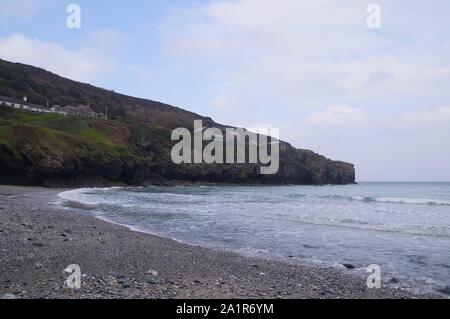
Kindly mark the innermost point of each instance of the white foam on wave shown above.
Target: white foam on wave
(402, 200)
(85, 196)
(95, 197)
(420, 201)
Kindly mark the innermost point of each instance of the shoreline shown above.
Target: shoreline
(100, 183)
(38, 241)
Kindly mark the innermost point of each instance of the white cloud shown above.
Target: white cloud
(83, 65)
(440, 115)
(237, 27)
(313, 53)
(337, 115)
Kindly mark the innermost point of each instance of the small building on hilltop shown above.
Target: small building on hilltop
(21, 104)
(80, 110)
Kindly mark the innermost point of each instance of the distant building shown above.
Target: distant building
(23, 104)
(80, 110)
(19, 103)
(83, 111)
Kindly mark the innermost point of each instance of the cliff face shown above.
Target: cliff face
(133, 147)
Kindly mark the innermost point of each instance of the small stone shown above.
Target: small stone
(327, 291)
(152, 272)
(220, 281)
(445, 290)
(348, 266)
(394, 281)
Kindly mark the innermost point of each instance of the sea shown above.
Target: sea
(402, 227)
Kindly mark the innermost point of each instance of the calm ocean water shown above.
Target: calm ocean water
(403, 227)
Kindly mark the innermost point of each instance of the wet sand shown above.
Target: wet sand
(39, 240)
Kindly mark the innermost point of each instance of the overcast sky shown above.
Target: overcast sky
(379, 98)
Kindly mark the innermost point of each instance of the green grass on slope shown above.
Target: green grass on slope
(56, 134)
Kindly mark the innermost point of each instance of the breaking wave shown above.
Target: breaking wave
(391, 200)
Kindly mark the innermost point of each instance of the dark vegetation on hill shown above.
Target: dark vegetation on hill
(132, 147)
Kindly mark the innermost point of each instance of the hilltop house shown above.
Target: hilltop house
(81, 110)
(26, 106)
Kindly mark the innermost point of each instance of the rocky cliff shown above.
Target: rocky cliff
(132, 147)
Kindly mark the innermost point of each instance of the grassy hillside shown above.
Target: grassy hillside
(48, 142)
(61, 134)
(132, 147)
